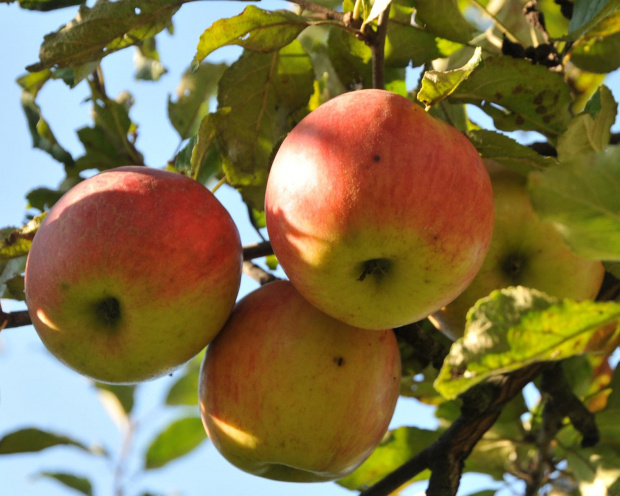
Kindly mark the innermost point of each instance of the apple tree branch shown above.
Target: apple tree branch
(445, 458)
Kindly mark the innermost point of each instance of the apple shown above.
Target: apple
(288, 393)
(378, 213)
(524, 251)
(132, 273)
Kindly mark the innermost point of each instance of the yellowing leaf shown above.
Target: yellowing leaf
(255, 29)
(514, 327)
(437, 85)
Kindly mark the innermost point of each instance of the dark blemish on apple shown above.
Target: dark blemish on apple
(339, 361)
(377, 158)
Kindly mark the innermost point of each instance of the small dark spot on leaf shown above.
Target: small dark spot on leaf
(517, 89)
(498, 95)
(538, 99)
(547, 118)
(541, 109)
(519, 120)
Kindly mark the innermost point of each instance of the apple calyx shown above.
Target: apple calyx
(512, 266)
(375, 267)
(108, 312)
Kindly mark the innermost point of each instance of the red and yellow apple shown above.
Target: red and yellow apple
(132, 273)
(524, 251)
(378, 213)
(289, 393)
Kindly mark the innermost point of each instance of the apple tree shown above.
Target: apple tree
(523, 82)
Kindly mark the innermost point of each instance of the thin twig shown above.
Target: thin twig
(14, 319)
(257, 250)
(257, 273)
(378, 49)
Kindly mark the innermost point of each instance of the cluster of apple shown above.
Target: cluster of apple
(379, 214)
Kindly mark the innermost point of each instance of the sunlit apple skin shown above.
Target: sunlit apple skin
(132, 273)
(524, 251)
(289, 393)
(378, 213)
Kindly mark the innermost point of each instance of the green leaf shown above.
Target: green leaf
(42, 136)
(184, 390)
(492, 457)
(110, 142)
(147, 63)
(266, 94)
(11, 279)
(589, 131)
(350, 59)
(254, 29)
(80, 484)
(613, 401)
(518, 95)
(15, 242)
(206, 159)
(31, 439)
(582, 199)
(378, 7)
(596, 469)
(437, 85)
(205, 163)
(405, 43)
(122, 395)
(91, 35)
(508, 152)
(179, 438)
(397, 447)
(193, 94)
(587, 14)
(595, 31)
(32, 82)
(47, 5)
(272, 262)
(444, 19)
(514, 327)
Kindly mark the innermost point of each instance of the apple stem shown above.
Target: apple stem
(219, 183)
